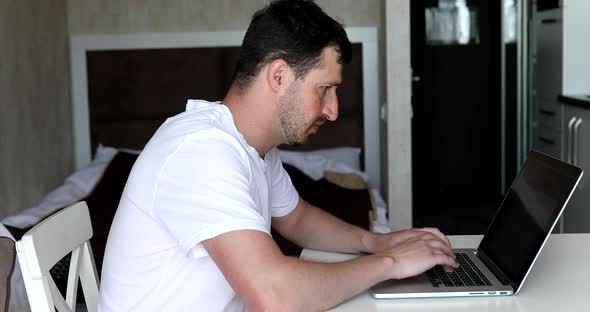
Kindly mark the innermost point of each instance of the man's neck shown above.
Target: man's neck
(254, 117)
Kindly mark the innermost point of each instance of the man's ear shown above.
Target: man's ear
(279, 75)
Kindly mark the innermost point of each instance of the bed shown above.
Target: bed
(125, 86)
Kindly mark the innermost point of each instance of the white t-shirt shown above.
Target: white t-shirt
(195, 179)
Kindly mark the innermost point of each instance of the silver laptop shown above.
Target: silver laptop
(512, 243)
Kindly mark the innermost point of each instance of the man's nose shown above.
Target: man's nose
(330, 110)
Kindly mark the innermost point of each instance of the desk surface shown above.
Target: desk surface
(559, 281)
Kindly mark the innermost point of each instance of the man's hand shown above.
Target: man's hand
(418, 254)
(423, 247)
(380, 242)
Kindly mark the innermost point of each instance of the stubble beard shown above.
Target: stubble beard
(292, 116)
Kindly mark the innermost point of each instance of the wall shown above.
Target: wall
(114, 16)
(35, 115)
(576, 47)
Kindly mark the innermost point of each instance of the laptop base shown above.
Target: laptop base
(421, 287)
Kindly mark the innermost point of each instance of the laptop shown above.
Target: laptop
(514, 239)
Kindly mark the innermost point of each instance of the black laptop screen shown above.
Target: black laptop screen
(528, 213)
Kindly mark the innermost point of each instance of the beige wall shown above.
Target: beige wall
(35, 118)
(115, 16)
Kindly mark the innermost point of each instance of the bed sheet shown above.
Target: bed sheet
(81, 183)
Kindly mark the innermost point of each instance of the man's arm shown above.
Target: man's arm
(312, 227)
(266, 280)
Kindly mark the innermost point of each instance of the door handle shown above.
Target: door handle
(575, 149)
(568, 146)
(571, 131)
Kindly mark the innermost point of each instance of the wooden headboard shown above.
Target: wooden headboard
(134, 91)
(125, 86)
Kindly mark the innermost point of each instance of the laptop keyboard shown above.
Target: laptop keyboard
(467, 274)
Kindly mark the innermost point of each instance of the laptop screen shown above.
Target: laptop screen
(528, 213)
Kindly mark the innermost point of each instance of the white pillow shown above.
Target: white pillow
(350, 156)
(315, 163)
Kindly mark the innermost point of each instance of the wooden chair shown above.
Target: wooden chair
(68, 230)
(7, 259)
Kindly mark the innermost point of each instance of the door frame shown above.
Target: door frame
(399, 113)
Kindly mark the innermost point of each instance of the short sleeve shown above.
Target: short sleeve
(203, 189)
(284, 196)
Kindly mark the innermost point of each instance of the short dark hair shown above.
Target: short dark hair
(296, 31)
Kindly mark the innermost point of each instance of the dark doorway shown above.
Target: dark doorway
(456, 125)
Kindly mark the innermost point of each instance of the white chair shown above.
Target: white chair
(68, 230)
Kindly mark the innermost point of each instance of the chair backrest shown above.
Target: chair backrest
(7, 259)
(68, 230)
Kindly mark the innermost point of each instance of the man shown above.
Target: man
(192, 228)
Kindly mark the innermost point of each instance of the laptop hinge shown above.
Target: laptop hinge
(495, 269)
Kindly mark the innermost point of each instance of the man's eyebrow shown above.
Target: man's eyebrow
(335, 83)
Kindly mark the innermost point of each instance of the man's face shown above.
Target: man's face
(311, 100)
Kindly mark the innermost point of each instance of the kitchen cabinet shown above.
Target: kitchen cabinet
(576, 150)
(547, 68)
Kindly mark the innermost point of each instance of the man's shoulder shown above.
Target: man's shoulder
(199, 116)
(204, 141)
(208, 124)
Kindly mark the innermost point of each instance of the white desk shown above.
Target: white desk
(559, 281)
